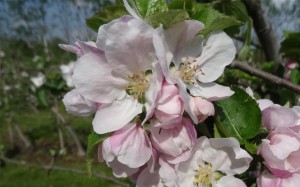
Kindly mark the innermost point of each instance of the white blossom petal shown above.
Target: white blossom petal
(218, 52)
(113, 116)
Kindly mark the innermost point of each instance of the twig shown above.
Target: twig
(64, 169)
(263, 30)
(266, 76)
(22, 136)
(63, 122)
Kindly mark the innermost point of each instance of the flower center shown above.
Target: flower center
(189, 70)
(137, 86)
(204, 176)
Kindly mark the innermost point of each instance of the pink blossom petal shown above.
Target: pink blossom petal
(153, 91)
(183, 41)
(226, 155)
(113, 116)
(218, 52)
(95, 80)
(268, 180)
(175, 142)
(130, 145)
(78, 105)
(148, 179)
(264, 103)
(102, 32)
(121, 170)
(163, 53)
(129, 48)
(276, 116)
(210, 91)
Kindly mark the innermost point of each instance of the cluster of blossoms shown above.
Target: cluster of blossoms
(281, 149)
(148, 88)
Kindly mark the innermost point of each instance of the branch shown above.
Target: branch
(64, 169)
(243, 66)
(263, 30)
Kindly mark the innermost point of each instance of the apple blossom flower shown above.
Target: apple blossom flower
(214, 162)
(201, 108)
(281, 152)
(77, 105)
(191, 63)
(67, 72)
(39, 80)
(266, 179)
(129, 146)
(169, 107)
(125, 80)
(174, 143)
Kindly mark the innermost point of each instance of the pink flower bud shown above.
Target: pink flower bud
(202, 108)
(169, 108)
(281, 152)
(129, 145)
(175, 143)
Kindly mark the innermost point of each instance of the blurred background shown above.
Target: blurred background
(44, 145)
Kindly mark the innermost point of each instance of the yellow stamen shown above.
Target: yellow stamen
(204, 176)
(137, 85)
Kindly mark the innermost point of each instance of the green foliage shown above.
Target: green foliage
(167, 18)
(295, 76)
(182, 4)
(290, 47)
(42, 97)
(238, 10)
(146, 8)
(108, 14)
(93, 140)
(22, 176)
(238, 116)
(213, 19)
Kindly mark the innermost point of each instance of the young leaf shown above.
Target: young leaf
(295, 76)
(238, 116)
(214, 20)
(238, 10)
(167, 18)
(146, 8)
(93, 140)
(110, 13)
(186, 5)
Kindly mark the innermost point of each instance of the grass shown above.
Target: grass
(42, 130)
(22, 176)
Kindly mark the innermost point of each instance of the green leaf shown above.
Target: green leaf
(214, 20)
(42, 97)
(93, 140)
(182, 4)
(167, 18)
(290, 47)
(146, 8)
(238, 116)
(295, 76)
(238, 10)
(251, 147)
(110, 13)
